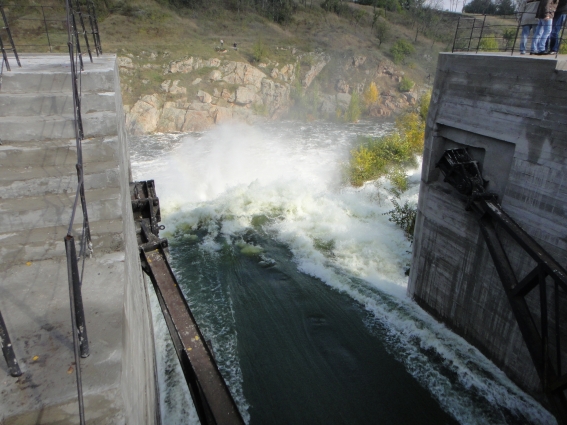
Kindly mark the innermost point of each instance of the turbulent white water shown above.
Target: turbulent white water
(291, 173)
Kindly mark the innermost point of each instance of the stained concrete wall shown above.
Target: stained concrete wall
(511, 112)
(139, 375)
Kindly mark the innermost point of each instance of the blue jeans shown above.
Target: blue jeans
(541, 35)
(555, 37)
(524, 38)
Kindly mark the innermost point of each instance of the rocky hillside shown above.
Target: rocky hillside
(196, 93)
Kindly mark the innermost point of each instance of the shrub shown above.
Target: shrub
(424, 105)
(382, 32)
(259, 50)
(400, 50)
(352, 114)
(390, 155)
(406, 84)
(404, 216)
(488, 44)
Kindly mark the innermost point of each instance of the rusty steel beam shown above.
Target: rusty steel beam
(211, 396)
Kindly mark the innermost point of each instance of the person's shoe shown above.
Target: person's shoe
(522, 53)
(533, 53)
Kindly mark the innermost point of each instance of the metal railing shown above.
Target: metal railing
(75, 279)
(489, 33)
(44, 28)
(51, 26)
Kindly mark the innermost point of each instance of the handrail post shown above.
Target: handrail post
(480, 36)
(73, 279)
(46, 29)
(10, 39)
(4, 55)
(8, 350)
(80, 13)
(456, 32)
(94, 26)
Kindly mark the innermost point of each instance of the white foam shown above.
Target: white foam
(224, 178)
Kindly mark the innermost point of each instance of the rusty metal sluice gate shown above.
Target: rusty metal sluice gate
(463, 173)
(211, 396)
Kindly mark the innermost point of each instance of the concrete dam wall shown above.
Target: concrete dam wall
(511, 115)
(38, 180)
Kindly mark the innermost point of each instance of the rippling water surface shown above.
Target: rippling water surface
(300, 284)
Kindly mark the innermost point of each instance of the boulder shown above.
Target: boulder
(183, 67)
(342, 86)
(204, 96)
(213, 63)
(171, 119)
(411, 98)
(175, 89)
(125, 62)
(196, 81)
(197, 121)
(358, 60)
(225, 94)
(215, 75)
(165, 85)
(242, 74)
(343, 100)
(328, 104)
(144, 115)
(245, 95)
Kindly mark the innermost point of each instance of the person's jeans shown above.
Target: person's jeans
(555, 37)
(541, 35)
(525, 34)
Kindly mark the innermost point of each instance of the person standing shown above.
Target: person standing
(544, 13)
(528, 22)
(558, 22)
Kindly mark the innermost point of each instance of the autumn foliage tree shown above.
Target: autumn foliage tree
(371, 99)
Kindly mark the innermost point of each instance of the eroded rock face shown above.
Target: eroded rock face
(245, 95)
(316, 68)
(242, 74)
(275, 96)
(197, 121)
(144, 115)
(171, 119)
(204, 96)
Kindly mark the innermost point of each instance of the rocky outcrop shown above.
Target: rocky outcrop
(319, 63)
(229, 90)
(242, 74)
(144, 115)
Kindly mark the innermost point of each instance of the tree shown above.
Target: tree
(382, 32)
(370, 95)
(485, 7)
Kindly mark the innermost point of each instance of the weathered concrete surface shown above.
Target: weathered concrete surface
(37, 188)
(512, 115)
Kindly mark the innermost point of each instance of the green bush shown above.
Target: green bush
(401, 50)
(404, 216)
(406, 84)
(352, 114)
(259, 50)
(488, 44)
